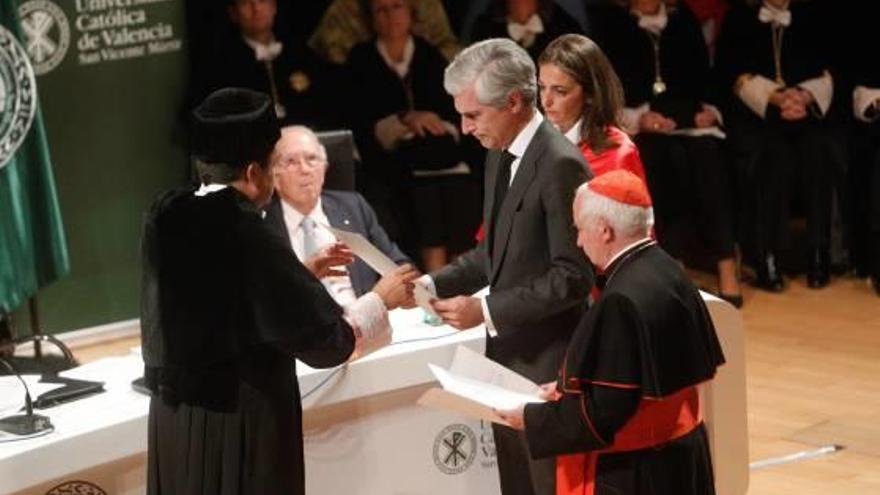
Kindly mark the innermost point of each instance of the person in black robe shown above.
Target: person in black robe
(661, 57)
(773, 63)
(225, 308)
(414, 157)
(533, 24)
(862, 93)
(251, 54)
(623, 417)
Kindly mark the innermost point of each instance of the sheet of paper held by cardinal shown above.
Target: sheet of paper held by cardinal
(476, 386)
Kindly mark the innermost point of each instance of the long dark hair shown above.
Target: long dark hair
(584, 61)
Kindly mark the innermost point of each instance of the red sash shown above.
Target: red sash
(656, 422)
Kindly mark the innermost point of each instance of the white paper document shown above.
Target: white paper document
(476, 386)
(377, 260)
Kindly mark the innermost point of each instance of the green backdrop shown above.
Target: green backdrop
(112, 110)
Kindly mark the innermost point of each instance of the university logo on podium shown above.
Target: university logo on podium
(18, 95)
(78, 487)
(46, 32)
(455, 449)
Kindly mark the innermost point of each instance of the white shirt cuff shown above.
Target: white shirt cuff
(428, 283)
(487, 318)
(369, 314)
(755, 93)
(631, 116)
(864, 97)
(822, 89)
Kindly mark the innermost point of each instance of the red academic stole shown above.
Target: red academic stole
(656, 422)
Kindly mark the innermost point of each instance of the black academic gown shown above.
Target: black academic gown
(777, 160)
(225, 308)
(493, 24)
(649, 337)
(304, 84)
(687, 175)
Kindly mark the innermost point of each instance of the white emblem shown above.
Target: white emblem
(18, 95)
(47, 33)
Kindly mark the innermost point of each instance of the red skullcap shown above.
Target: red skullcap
(622, 186)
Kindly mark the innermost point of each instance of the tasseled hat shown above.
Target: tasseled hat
(234, 126)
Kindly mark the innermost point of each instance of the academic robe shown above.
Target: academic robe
(556, 21)
(304, 84)
(623, 155)
(777, 159)
(225, 309)
(687, 175)
(628, 419)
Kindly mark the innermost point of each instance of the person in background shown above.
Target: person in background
(414, 159)
(774, 65)
(532, 24)
(226, 308)
(663, 63)
(538, 279)
(624, 416)
(300, 213)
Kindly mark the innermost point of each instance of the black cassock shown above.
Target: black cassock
(645, 344)
(686, 175)
(777, 159)
(225, 308)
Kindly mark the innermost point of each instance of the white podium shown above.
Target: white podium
(364, 432)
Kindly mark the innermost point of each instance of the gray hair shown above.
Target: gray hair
(628, 221)
(322, 151)
(496, 67)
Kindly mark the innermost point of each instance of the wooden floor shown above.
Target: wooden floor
(813, 366)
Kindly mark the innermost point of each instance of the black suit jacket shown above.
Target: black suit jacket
(539, 278)
(347, 211)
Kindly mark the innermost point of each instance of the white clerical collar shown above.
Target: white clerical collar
(778, 16)
(206, 189)
(653, 23)
(294, 217)
(574, 134)
(264, 52)
(525, 33)
(402, 67)
(522, 140)
(625, 250)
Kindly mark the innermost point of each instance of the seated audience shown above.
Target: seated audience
(345, 25)
(404, 124)
(531, 23)
(663, 63)
(252, 56)
(774, 62)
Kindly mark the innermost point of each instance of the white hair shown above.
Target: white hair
(301, 129)
(629, 221)
(496, 67)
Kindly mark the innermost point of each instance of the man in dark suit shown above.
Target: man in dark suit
(538, 278)
(300, 194)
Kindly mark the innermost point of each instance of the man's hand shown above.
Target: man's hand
(328, 259)
(424, 123)
(705, 117)
(656, 122)
(396, 288)
(461, 312)
(549, 392)
(514, 417)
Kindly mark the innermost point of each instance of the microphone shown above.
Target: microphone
(27, 424)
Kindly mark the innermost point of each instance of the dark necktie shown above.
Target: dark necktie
(502, 184)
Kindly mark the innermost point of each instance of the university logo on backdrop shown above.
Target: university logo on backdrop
(46, 32)
(18, 95)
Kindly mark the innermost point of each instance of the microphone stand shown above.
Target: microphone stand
(28, 424)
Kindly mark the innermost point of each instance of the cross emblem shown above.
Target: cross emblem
(36, 29)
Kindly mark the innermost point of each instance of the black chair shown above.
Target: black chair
(341, 157)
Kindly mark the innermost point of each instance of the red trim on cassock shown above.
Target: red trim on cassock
(654, 423)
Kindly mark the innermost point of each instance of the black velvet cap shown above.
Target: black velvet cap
(234, 126)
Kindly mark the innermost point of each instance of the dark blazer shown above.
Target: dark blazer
(347, 211)
(539, 278)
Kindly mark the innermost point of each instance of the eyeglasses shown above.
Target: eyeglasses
(309, 160)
